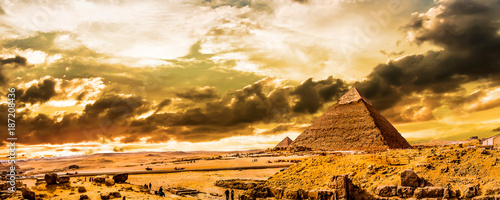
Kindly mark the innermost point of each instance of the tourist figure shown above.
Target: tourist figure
(232, 194)
(145, 186)
(227, 194)
(150, 186)
(160, 191)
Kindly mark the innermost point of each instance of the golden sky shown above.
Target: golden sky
(124, 76)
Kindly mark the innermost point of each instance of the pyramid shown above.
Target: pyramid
(351, 124)
(284, 143)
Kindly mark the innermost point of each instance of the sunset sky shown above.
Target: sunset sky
(154, 75)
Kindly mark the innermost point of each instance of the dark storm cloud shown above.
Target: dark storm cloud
(39, 93)
(210, 119)
(44, 129)
(114, 108)
(312, 95)
(246, 105)
(232, 114)
(467, 32)
(102, 119)
(236, 112)
(199, 94)
(5, 63)
(163, 104)
(17, 60)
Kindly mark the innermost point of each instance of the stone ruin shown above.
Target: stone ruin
(341, 187)
(351, 124)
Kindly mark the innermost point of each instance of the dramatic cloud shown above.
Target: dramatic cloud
(39, 93)
(312, 95)
(467, 31)
(101, 119)
(208, 70)
(113, 108)
(14, 62)
(199, 94)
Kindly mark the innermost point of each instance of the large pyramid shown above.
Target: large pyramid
(284, 143)
(351, 124)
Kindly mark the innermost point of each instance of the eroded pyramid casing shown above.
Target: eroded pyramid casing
(351, 124)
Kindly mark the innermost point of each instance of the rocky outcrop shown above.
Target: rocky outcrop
(51, 178)
(344, 189)
(115, 194)
(405, 191)
(240, 184)
(321, 194)
(411, 186)
(63, 179)
(471, 191)
(82, 189)
(74, 167)
(28, 194)
(409, 178)
(120, 178)
(386, 191)
(111, 195)
(429, 192)
(109, 182)
(100, 179)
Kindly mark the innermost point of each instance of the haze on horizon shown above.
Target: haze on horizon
(127, 76)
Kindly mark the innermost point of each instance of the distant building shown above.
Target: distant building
(492, 141)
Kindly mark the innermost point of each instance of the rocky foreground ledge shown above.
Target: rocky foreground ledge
(451, 172)
(53, 186)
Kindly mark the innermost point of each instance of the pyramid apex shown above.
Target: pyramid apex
(285, 142)
(352, 95)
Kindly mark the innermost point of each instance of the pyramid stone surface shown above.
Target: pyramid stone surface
(284, 143)
(351, 124)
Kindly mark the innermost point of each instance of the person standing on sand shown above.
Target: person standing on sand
(150, 186)
(232, 194)
(227, 194)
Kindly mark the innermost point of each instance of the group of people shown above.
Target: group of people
(229, 193)
(160, 192)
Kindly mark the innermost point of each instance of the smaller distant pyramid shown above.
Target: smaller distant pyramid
(284, 143)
